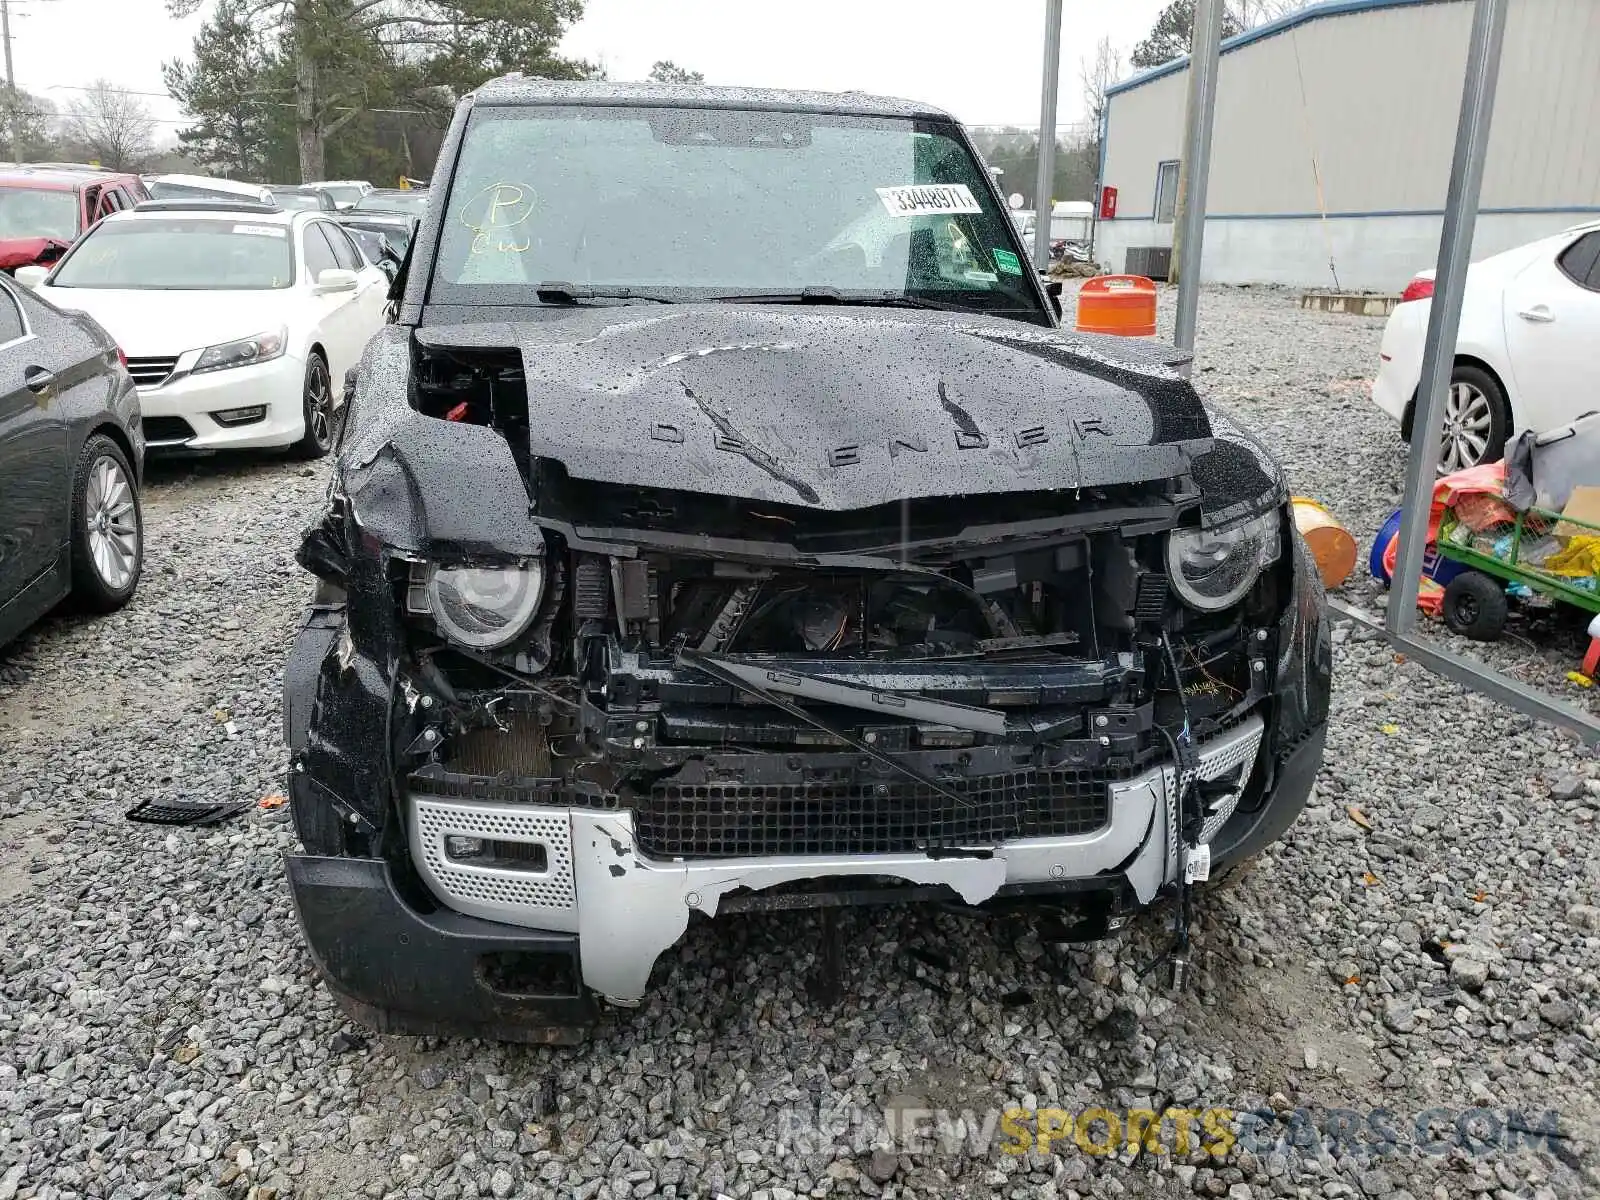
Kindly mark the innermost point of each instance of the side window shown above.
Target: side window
(1580, 262)
(91, 206)
(110, 202)
(11, 327)
(349, 257)
(319, 254)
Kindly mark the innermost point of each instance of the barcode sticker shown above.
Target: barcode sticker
(929, 199)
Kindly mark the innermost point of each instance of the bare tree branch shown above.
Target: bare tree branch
(114, 127)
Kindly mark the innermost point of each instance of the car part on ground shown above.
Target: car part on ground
(673, 647)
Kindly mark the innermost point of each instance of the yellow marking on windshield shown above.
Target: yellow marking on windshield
(493, 212)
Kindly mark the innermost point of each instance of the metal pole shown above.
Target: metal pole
(1046, 182)
(1204, 52)
(11, 83)
(1444, 318)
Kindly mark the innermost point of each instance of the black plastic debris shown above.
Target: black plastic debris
(183, 812)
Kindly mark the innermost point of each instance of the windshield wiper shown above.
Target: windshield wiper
(554, 291)
(833, 295)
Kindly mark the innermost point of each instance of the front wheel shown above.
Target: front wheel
(318, 403)
(107, 528)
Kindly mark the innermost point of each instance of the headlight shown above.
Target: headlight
(1213, 568)
(485, 607)
(242, 353)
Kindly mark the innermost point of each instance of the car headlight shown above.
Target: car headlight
(260, 348)
(1213, 568)
(485, 608)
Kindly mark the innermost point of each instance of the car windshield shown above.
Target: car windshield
(694, 203)
(297, 201)
(167, 190)
(181, 254)
(370, 237)
(412, 204)
(37, 213)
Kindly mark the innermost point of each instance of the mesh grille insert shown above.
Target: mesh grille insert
(883, 817)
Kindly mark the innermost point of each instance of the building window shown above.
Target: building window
(1166, 192)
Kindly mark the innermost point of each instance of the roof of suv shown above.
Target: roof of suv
(515, 89)
(55, 178)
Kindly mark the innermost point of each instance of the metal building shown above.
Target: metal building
(1333, 136)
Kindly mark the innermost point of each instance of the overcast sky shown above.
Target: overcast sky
(978, 58)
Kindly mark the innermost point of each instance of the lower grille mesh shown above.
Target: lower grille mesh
(888, 817)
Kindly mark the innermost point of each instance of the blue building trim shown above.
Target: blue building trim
(1578, 209)
(1334, 8)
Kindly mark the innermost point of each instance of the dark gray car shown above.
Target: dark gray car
(71, 458)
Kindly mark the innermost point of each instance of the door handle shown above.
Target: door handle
(1539, 314)
(38, 380)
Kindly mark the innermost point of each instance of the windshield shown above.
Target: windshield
(167, 190)
(297, 201)
(181, 254)
(370, 237)
(413, 203)
(37, 213)
(703, 202)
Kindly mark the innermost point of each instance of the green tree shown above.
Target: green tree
(667, 71)
(345, 59)
(226, 87)
(27, 122)
(1173, 34)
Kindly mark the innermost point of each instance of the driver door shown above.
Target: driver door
(35, 482)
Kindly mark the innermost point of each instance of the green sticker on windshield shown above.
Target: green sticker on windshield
(1008, 262)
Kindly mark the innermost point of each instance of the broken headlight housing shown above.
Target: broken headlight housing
(1211, 569)
(485, 608)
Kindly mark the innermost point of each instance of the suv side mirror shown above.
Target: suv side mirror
(1052, 289)
(31, 276)
(335, 279)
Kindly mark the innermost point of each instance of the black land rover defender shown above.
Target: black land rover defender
(725, 522)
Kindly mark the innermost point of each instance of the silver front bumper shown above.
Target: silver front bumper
(626, 908)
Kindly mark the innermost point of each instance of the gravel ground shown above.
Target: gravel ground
(161, 1032)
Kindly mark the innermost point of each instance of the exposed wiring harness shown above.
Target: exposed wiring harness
(1191, 820)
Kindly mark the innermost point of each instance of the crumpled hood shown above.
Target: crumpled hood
(23, 252)
(841, 407)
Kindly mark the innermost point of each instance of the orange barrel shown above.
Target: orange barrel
(1124, 304)
(1330, 543)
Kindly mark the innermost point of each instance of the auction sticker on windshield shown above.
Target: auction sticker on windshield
(262, 230)
(928, 199)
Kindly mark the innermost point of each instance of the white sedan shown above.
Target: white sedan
(235, 319)
(1526, 355)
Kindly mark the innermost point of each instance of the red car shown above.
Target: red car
(45, 208)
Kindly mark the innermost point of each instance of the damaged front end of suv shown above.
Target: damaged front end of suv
(630, 614)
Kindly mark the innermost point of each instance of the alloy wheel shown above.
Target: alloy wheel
(319, 404)
(1468, 423)
(113, 523)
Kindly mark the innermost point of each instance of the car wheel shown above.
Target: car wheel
(107, 528)
(1476, 420)
(318, 402)
(1475, 606)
